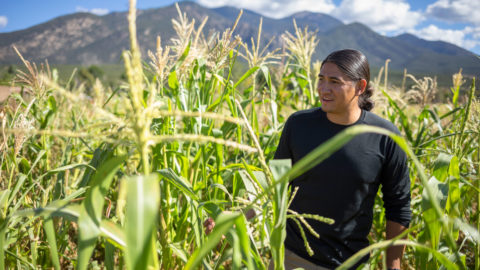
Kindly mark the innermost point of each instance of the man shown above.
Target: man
(343, 187)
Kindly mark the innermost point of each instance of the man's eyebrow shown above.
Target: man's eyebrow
(331, 78)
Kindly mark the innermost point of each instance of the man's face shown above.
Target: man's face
(337, 92)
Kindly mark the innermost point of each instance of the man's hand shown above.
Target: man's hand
(250, 214)
(394, 253)
(209, 224)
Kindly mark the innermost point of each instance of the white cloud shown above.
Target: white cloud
(458, 37)
(388, 17)
(96, 11)
(381, 15)
(474, 31)
(455, 11)
(3, 21)
(99, 11)
(276, 8)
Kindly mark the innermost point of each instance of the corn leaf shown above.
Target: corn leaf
(91, 210)
(223, 224)
(143, 200)
(52, 242)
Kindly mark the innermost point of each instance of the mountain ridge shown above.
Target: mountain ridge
(85, 39)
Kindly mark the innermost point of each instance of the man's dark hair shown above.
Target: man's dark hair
(355, 66)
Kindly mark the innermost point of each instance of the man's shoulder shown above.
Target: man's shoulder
(306, 114)
(375, 120)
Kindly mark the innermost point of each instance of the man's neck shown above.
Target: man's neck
(346, 118)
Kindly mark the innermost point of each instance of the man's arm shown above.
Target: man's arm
(396, 198)
(394, 253)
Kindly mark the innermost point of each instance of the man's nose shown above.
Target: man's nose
(324, 87)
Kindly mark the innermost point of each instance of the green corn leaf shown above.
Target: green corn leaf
(3, 230)
(237, 252)
(222, 188)
(456, 92)
(450, 113)
(65, 168)
(19, 183)
(71, 212)
(75, 194)
(454, 195)
(454, 168)
(56, 209)
(39, 156)
(440, 168)
(405, 124)
(172, 80)
(24, 165)
(178, 250)
(440, 192)
(100, 155)
(180, 183)
(468, 229)
(182, 58)
(52, 242)
(244, 240)
(431, 217)
(113, 232)
(279, 168)
(52, 103)
(453, 202)
(143, 200)
(436, 119)
(466, 115)
(274, 113)
(245, 76)
(109, 256)
(261, 179)
(266, 73)
(4, 194)
(91, 210)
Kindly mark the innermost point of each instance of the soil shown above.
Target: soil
(5, 91)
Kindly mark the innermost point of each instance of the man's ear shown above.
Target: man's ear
(361, 86)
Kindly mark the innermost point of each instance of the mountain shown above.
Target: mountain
(376, 47)
(437, 46)
(317, 21)
(404, 51)
(86, 39)
(444, 56)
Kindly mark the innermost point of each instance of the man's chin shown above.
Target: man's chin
(325, 109)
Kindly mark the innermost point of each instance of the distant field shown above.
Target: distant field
(112, 73)
(115, 71)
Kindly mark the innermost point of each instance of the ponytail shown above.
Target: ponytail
(364, 100)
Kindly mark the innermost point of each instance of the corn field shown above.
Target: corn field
(134, 177)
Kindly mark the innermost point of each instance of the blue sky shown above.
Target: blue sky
(454, 21)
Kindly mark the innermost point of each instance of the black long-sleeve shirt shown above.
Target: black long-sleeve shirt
(343, 187)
